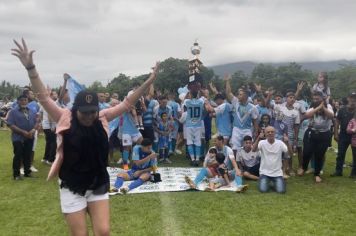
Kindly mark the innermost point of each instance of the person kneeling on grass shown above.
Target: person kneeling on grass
(248, 161)
(210, 171)
(144, 160)
(271, 151)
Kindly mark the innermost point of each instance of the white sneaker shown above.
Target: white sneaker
(179, 152)
(119, 161)
(33, 169)
(22, 172)
(168, 161)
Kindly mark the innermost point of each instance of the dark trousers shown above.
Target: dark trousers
(343, 144)
(51, 145)
(315, 144)
(22, 152)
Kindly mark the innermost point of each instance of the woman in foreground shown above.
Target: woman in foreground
(82, 149)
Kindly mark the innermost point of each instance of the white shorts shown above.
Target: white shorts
(71, 202)
(193, 135)
(129, 139)
(237, 137)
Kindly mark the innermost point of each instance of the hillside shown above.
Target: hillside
(248, 66)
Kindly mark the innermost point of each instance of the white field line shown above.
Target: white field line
(168, 217)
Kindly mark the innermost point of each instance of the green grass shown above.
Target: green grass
(31, 207)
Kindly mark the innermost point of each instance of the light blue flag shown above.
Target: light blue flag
(73, 88)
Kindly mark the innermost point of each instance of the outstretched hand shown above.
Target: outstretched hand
(227, 77)
(155, 70)
(23, 53)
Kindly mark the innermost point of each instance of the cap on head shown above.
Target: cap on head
(86, 101)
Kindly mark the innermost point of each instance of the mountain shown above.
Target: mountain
(248, 66)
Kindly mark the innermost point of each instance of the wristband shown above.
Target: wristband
(30, 67)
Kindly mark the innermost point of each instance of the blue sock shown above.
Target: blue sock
(238, 180)
(173, 145)
(170, 146)
(202, 149)
(197, 151)
(191, 151)
(138, 182)
(119, 182)
(201, 175)
(125, 156)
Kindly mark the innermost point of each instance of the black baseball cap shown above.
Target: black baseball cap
(86, 101)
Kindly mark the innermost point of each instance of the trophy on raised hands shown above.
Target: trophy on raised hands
(195, 78)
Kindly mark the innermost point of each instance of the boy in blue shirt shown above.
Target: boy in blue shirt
(144, 160)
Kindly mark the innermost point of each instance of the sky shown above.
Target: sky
(97, 40)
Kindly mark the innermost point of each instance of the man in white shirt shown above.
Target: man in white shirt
(271, 151)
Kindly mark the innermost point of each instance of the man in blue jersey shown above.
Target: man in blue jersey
(195, 107)
(222, 115)
(129, 134)
(245, 116)
(176, 113)
(147, 115)
(144, 161)
(157, 112)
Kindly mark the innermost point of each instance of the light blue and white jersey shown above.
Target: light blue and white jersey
(243, 114)
(128, 124)
(147, 116)
(223, 120)
(195, 109)
(157, 112)
(175, 108)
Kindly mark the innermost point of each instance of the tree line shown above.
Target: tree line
(173, 74)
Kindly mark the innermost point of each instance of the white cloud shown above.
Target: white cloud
(96, 40)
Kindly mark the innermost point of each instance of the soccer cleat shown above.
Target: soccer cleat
(33, 169)
(241, 188)
(124, 190)
(113, 191)
(168, 161)
(179, 152)
(190, 182)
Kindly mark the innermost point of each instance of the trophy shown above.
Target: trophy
(195, 78)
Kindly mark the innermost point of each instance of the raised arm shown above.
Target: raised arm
(130, 100)
(26, 58)
(213, 88)
(300, 86)
(229, 94)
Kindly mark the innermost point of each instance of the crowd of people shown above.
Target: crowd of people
(258, 134)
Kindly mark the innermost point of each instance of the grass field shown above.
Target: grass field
(31, 207)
